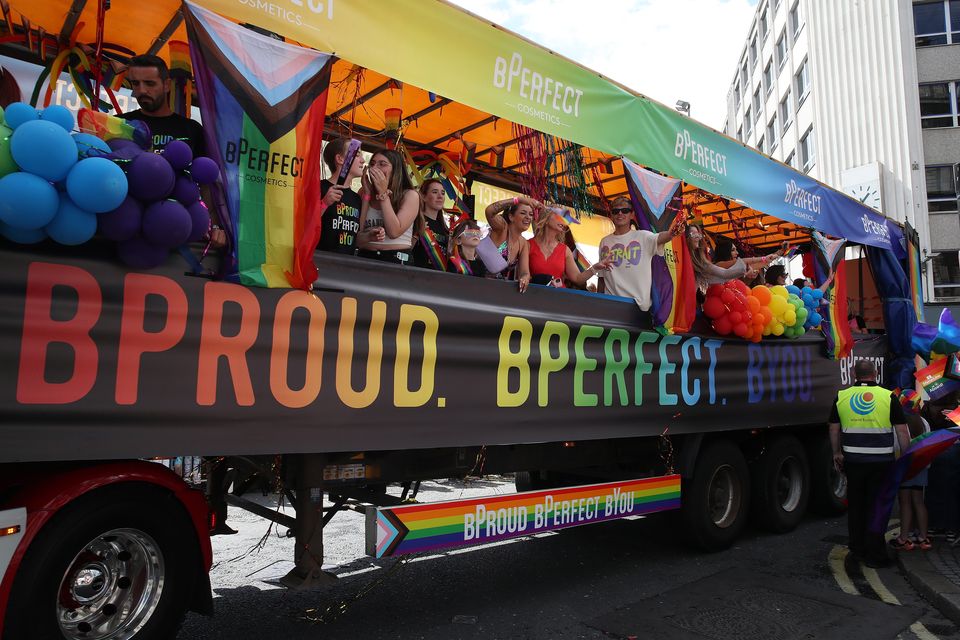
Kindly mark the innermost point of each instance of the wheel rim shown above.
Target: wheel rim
(112, 587)
(724, 496)
(789, 484)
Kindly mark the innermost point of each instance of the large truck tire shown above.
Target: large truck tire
(116, 563)
(781, 485)
(716, 500)
(828, 487)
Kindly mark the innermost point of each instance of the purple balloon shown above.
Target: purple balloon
(166, 224)
(201, 221)
(124, 149)
(179, 154)
(150, 177)
(123, 222)
(185, 191)
(140, 254)
(204, 170)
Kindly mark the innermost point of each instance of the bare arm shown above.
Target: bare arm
(903, 434)
(580, 278)
(396, 223)
(676, 228)
(835, 445)
(523, 267)
(494, 209)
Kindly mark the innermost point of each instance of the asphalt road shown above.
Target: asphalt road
(619, 579)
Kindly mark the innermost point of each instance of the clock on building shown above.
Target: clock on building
(863, 184)
(867, 193)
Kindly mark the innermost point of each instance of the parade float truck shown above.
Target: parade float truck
(387, 375)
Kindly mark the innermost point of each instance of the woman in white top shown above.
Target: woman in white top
(390, 209)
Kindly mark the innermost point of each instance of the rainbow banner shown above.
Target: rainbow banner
(674, 287)
(416, 528)
(914, 269)
(825, 258)
(263, 103)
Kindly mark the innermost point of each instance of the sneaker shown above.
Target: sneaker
(901, 545)
(925, 544)
(951, 537)
(935, 532)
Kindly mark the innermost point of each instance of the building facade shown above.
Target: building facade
(863, 95)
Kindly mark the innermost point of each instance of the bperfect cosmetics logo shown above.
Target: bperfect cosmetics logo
(537, 89)
(291, 10)
(875, 228)
(687, 148)
(802, 199)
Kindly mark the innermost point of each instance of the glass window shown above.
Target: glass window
(763, 26)
(786, 112)
(753, 50)
(747, 122)
(941, 188)
(760, 145)
(768, 76)
(781, 50)
(954, 8)
(803, 82)
(772, 132)
(938, 105)
(946, 275)
(736, 95)
(930, 23)
(744, 74)
(790, 159)
(740, 133)
(757, 102)
(795, 22)
(808, 154)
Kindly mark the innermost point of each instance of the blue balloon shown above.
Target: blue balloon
(815, 319)
(44, 149)
(72, 225)
(807, 299)
(817, 294)
(97, 184)
(27, 201)
(792, 289)
(19, 112)
(59, 115)
(22, 236)
(89, 145)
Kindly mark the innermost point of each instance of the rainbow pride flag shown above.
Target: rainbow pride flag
(263, 104)
(914, 266)
(674, 287)
(444, 525)
(827, 256)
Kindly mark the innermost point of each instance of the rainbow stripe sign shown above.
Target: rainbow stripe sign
(416, 528)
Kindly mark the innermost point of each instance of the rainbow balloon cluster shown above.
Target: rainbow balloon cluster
(813, 302)
(752, 314)
(48, 186)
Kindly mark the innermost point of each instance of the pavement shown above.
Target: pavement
(936, 575)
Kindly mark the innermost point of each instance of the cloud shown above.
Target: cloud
(668, 50)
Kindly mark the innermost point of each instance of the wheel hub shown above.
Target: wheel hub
(112, 587)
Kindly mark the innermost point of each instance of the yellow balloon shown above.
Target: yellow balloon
(780, 291)
(778, 305)
(777, 329)
(767, 331)
(790, 318)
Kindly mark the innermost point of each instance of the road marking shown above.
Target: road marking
(837, 557)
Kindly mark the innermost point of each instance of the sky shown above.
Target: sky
(668, 50)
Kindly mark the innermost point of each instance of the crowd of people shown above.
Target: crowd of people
(392, 221)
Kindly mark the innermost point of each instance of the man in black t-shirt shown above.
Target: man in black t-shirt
(149, 79)
(341, 217)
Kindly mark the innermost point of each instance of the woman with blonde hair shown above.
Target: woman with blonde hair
(548, 259)
(508, 219)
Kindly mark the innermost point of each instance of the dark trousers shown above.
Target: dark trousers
(943, 503)
(863, 483)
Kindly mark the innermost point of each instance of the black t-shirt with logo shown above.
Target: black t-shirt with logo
(420, 256)
(163, 129)
(341, 221)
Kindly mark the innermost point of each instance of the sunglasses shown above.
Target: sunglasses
(621, 210)
(471, 234)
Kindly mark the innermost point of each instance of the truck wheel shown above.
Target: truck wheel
(716, 500)
(828, 491)
(115, 564)
(781, 485)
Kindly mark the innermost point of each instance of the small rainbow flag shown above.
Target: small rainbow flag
(582, 263)
(457, 523)
(264, 117)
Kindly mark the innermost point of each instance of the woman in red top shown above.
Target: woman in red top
(548, 259)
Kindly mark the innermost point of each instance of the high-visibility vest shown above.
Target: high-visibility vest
(866, 432)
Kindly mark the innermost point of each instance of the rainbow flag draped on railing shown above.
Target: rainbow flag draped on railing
(827, 257)
(914, 266)
(674, 288)
(263, 104)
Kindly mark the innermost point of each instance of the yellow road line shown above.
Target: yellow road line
(873, 579)
(837, 556)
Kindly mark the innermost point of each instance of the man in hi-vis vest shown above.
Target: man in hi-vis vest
(864, 421)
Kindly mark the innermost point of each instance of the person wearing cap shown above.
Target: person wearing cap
(864, 422)
(548, 259)
(630, 252)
